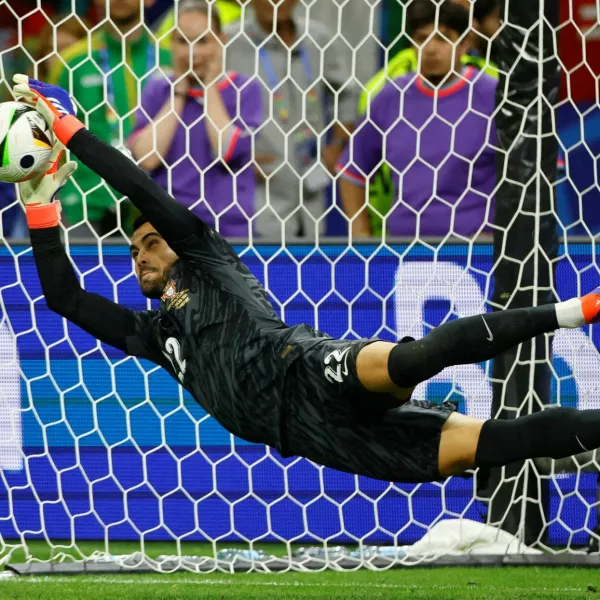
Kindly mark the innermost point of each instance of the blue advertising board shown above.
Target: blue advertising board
(96, 444)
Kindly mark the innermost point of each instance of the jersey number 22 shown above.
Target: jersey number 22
(173, 353)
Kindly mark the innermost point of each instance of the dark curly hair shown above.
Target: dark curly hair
(139, 221)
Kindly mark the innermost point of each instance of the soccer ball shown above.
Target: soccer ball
(25, 143)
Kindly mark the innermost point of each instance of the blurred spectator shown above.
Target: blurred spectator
(438, 136)
(54, 39)
(485, 24)
(301, 82)
(20, 23)
(193, 132)
(229, 11)
(153, 14)
(87, 69)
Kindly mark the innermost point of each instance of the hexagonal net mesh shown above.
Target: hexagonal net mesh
(98, 449)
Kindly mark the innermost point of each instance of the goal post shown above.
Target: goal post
(107, 465)
(527, 98)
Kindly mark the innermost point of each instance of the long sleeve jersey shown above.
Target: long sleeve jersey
(215, 331)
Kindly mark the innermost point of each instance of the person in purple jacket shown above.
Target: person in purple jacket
(436, 132)
(194, 131)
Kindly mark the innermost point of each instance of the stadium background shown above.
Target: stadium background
(77, 489)
(576, 194)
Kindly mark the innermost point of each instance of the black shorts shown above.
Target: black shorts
(328, 420)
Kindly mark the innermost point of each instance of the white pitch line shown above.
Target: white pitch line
(166, 581)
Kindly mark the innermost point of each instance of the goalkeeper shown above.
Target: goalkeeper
(344, 404)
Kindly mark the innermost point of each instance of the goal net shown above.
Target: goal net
(105, 460)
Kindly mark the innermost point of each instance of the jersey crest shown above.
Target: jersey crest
(172, 298)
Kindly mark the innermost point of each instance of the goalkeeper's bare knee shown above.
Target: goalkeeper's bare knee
(373, 373)
(556, 432)
(458, 444)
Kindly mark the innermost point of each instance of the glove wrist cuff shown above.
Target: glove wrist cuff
(41, 216)
(66, 128)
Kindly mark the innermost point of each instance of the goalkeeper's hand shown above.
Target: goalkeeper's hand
(53, 103)
(37, 194)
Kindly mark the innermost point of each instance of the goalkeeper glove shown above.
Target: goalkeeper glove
(55, 106)
(53, 103)
(37, 194)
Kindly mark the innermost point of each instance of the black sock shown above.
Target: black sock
(469, 340)
(553, 433)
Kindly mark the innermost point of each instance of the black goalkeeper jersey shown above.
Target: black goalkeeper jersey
(218, 335)
(215, 331)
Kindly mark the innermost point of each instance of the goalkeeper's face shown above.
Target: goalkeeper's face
(153, 260)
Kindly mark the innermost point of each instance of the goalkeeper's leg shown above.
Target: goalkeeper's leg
(555, 433)
(397, 368)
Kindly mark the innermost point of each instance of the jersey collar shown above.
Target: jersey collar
(453, 87)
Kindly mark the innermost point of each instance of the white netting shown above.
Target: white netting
(96, 448)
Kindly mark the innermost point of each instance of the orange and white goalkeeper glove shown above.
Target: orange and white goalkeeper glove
(37, 194)
(53, 103)
(56, 107)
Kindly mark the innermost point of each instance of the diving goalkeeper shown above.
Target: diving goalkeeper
(344, 404)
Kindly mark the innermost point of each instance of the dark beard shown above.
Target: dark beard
(155, 291)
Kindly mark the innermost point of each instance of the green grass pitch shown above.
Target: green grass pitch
(417, 584)
(505, 583)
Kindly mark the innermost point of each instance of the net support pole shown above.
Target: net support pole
(525, 241)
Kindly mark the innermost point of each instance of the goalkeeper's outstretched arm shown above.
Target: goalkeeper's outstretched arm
(175, 223)
(129, 331)
(181, 229)
(105, 320)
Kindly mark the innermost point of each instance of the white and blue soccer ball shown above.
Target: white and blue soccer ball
(25, 143)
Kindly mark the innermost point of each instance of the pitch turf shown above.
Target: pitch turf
(446, 584)
(416, 584)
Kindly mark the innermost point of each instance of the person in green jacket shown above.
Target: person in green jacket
(486, 22)
(106, 74)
